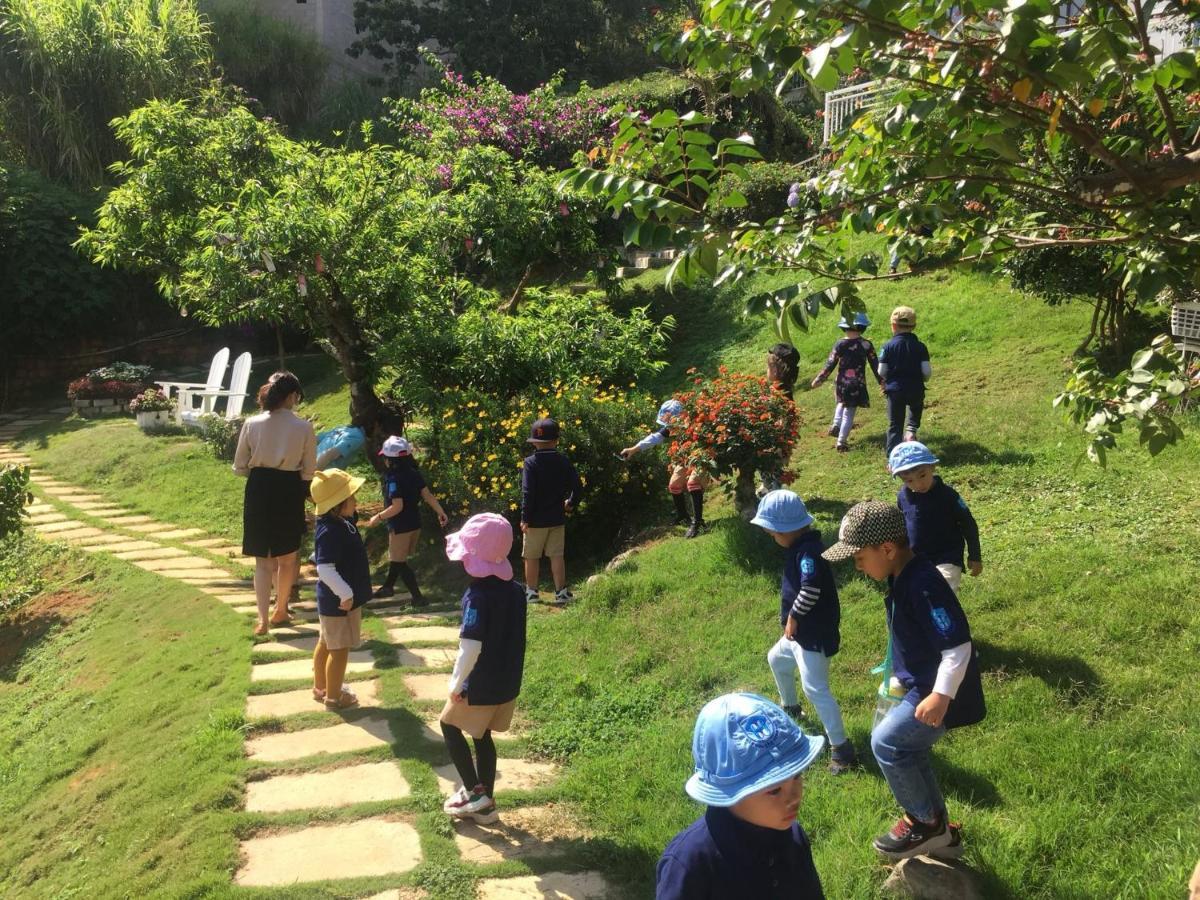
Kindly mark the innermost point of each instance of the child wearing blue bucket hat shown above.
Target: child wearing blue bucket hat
(851, 355)
(750, 758)
(682, 477)
(939, 521)
(810, 614)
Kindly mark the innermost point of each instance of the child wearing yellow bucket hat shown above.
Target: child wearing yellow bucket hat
(344, 584)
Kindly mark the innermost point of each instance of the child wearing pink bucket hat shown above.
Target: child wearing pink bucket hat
(491, 659)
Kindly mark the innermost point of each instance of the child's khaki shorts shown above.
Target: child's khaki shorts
(478, 720)
(541, 542)
(342, 632)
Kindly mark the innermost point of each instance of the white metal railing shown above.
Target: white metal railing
(843, 104)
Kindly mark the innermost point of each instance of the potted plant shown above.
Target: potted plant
(107, 390)
(152, 409)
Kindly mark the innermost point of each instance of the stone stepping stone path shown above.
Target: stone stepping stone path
(377, 846)
(290, 670)
(292, 703)
(520, 833)
(369, 847)
(338, 787)
(364, 733)
(548, 885)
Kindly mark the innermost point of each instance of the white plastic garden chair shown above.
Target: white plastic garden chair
(235, 397)
(216, 374)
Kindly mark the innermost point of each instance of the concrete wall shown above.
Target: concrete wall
(332, 21)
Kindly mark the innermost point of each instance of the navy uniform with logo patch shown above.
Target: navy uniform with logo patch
(719, 857)
(493, 613)
(809, 594)
(925, 618)
(939, 524)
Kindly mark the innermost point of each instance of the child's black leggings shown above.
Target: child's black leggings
(460, 755)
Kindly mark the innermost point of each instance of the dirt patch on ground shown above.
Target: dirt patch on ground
(88, 775)
(36, 617)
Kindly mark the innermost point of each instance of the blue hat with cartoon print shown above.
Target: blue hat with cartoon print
(781, 511)
(668, 412)
(909, 455)
(858, 323)
(744, 743)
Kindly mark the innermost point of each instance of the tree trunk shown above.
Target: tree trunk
(744, 499)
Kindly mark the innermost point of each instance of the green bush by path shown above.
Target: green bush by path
(121, 741)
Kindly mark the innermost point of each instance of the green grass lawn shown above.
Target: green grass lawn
(1082, 781)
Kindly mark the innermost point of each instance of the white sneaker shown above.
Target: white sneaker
(456, 802)
(563, 596)
(532, 596)
(489, 816)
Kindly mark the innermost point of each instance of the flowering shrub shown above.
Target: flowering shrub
(476, 446)
(538, 127)
(121, 371)
(736, 425)
(113, 389)
(153, 400)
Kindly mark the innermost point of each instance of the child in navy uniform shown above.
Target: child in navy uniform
(932, 658)
(809, 615)
(939, 521)
(343, 586)
(550, 488)
(491, 660)
(749, 760)
(851, 355)
(904, 367)
(682, 478)
(403, 489)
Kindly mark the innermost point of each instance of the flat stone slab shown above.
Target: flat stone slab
(421, 618)
(45, 518)
(146, 527)
(181, 561)
(229, 551)
(548, 886)
(205, 543)
(320, 790)
(206, 572)
(434, 686)
(154, 552)
(307, 643)
(95, 506)
(361, 849)
(131, 519)
(107, 543)
(176, 533)
(427, 657)
(360, 661)
(529, 831)
(344, 737)
(75, 534)
(70, 494)
(511, 775)
(54, 527)
(239, 597)
(301, 629)
(293, 703)
(424, 634)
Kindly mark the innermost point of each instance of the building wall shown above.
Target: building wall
(332, 21)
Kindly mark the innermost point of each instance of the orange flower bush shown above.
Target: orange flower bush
(736, 425)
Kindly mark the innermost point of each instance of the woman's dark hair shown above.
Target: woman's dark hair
(278, 388)
(783, 366)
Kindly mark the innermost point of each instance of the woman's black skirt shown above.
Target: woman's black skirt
(273, 512)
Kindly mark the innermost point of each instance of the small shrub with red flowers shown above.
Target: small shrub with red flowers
(736, 425)
(475, 447)
(87, 389)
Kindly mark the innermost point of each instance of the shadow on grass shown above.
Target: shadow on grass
(38, 437)
(1069, 677)
(748, 547)
(24, 630)
(956, 450)
(831, 509)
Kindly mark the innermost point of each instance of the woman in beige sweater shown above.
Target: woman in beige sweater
(277, 452)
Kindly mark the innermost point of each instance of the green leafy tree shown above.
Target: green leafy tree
(520, 42)
(240, 223)
(68, 67)
(1001, 130)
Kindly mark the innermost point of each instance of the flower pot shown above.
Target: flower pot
(155, 420)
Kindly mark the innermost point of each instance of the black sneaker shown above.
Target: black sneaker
(383, 592)
(842, 448)
(417, 599)
(911, 838)
(833, 431)
(796, 712)
(842, 758)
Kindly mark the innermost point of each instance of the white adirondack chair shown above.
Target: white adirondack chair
(235, 397)
(216, 374)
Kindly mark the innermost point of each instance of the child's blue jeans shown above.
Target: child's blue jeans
(901, 745)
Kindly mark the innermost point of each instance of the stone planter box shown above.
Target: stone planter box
(106, 407)
(155, 420)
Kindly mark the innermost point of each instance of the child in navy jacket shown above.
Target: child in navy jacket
(809, 616)
(934, 660)
(750, 758)
(939, 521)
(550, 488)
(904, 367)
